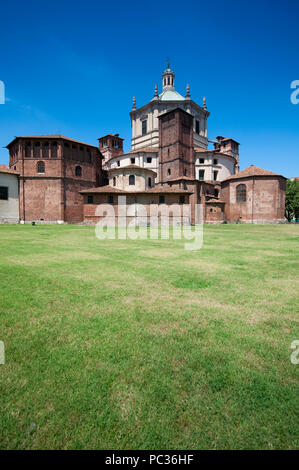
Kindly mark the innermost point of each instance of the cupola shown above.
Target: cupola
(168, 78)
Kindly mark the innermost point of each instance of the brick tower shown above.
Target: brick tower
(176, 154)
(110, 146)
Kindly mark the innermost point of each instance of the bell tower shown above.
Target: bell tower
(176, 154)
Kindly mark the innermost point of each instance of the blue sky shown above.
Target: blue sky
(73, 68)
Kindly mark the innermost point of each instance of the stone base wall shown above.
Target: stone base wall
(4, 220)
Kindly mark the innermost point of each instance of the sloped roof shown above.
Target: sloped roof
(144, 149)
(131, 167)
(214, 200)
(171, 95)
(51, 136)
(158, 189)
(252, 171)
(5, 169)
(184, 178)
(200, 149)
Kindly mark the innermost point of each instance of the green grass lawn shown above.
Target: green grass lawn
(142, 345)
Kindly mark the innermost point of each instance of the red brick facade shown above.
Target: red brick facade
(53, 169)
(176, 153)
(254, 199)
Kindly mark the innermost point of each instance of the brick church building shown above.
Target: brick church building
(62, 180)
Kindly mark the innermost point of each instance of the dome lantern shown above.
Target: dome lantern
(168, 78)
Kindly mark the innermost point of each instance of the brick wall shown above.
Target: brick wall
(148, 201)
(176, 153)
(265, 199)
(214, 212)
(53, 194)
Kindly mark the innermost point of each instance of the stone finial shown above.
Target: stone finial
(188, 91)
(134, 103)
(204, 103)
(156, 90)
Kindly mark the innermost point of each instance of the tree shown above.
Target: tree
(292, 200)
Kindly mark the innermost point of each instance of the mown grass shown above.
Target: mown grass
(143, 345)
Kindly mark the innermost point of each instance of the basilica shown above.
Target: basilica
(171, 161)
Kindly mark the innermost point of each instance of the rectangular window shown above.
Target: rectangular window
(161, 199)
(201, 174)
(28, 151)
(37, 150)
(197, 128)
(144, 127)
(4, 193)
(201, 160)
(46, 150)
(81, 154)
(182, 199)
(215, 161)
(118, 163)
(110, 199)
(215, 175)
(89, 199)
(74, 152)
(66, 150)
(149, 160)
(132, 161)
(54, 150)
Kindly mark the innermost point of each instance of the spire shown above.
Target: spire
(134, 103)
(168, 78)
(204, 103)
(188, 91)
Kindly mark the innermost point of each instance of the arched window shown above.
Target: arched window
(114, 181)
(150, 182)
(40, 167)
(132, 180)
(78, 171)
(241, 193)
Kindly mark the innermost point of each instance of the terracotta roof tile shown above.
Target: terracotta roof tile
(252, 171)
(131, 167)
(184, 178)
(199, 150)
(51, 136)
(213, 200)
(145, 149)
(5, 169)
(102, 189)
(155, 190)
